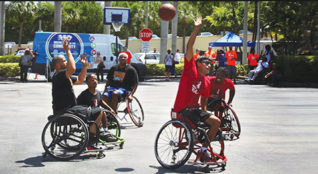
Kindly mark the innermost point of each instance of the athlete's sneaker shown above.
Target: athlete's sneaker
(206, 154)
(106, 136)
(93, 147)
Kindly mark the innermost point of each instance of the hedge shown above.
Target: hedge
(159, 69)
(302, 69)
(9, 69)
(9, 59)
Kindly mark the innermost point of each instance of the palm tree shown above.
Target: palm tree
(70, 14)
(23, 10)
(57, 16)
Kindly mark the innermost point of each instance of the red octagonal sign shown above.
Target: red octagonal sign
(145, 34)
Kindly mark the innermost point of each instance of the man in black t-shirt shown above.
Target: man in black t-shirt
(122, 81)
(93, 97)
(64, 100)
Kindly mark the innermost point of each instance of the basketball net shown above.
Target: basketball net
(117, 25)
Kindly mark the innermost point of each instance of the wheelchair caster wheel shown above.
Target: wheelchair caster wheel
(100, 155)
(121, 146)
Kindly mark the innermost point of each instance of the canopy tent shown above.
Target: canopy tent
(230, 39)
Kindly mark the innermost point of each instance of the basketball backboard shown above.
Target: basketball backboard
(119, 15)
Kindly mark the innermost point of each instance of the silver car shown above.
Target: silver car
(148, 58)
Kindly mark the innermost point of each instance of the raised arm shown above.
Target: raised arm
(193, 36)
(82, 75)
(70, 67)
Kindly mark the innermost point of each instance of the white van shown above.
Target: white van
(49, 44)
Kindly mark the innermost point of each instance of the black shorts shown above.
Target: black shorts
(195, 115)
(168, 68)
(84, 112)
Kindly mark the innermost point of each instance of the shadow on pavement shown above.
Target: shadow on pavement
(124, 169)
(188, 169)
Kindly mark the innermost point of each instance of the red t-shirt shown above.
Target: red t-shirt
(210, 54)
(253, 59)
(214, 88)
(229, 55)
(129, 56)
(191, 86)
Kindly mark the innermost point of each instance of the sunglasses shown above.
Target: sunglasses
(206, 62)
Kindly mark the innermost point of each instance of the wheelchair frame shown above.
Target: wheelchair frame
(66, 136)
(180, 136)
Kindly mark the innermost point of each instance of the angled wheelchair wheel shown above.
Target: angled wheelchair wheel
(65, 137)
(231, 123)
(113, 124)
(135, 111)
(217, 146)
(173, 144)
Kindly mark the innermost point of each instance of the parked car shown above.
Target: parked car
(205, 34)
(132, 38)
(20, 52)
(154, 36)
(148, 58)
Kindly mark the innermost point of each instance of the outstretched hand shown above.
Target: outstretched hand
(198, 21)
(66, 45)
(84, 60)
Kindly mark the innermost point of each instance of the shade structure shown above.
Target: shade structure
(230, 39)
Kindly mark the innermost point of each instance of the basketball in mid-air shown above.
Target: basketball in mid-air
(167, 12)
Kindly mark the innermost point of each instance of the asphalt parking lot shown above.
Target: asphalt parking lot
(279, 131)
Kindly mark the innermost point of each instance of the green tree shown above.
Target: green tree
(45, 13)
(70, 13)
(23, 11)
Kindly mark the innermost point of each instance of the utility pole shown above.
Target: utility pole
(40, 21)
(174, 29)
(2, 26)
(107, 27)
(57, 16)
(146, 17)
(258, 27)
(244, 56)
(163, 36)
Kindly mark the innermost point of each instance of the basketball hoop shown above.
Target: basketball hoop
(117, 25)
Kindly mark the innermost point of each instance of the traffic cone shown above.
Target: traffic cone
(36, 76)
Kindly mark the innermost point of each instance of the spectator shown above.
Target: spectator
(197, 54)
(270, 56)
(25, 63)
(168, 64)
(231, 58)
(211, 54)
(98, 60)
(252, 59)
(173, 68)
(254, 73)
(100, 70)
(274, 77)
(220, 59)
(155, 50)
(177, 57)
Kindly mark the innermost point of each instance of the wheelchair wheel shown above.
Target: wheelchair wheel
(135, 111)
(231, 122)
(218, 146)
(113, 124)
(173, 144)
(65, 137)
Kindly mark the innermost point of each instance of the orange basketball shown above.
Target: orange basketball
(167, 12)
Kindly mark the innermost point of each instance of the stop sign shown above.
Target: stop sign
(145, 34)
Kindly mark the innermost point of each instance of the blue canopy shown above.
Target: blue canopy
(230, 39)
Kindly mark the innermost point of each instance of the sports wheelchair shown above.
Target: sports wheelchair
(230, 124)
(179, 138)
(66, 136)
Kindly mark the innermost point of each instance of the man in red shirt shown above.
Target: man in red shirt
(252, 59)
(196, 55)
(216, 89)
(128, 53)
(231, 58)
(212, 55)
(192, 85)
